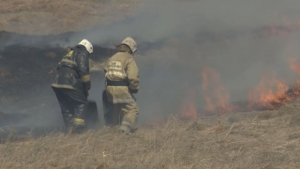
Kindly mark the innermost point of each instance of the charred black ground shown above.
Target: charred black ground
(24, 66)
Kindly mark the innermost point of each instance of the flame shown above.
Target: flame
(295, 66)
(188, 109)
(270, 93)
(216, 96)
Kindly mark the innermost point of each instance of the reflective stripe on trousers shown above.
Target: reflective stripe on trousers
(116, 101)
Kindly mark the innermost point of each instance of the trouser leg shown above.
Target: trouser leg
(130, 113)
(66, 109)
(80, 106)
(74, 107)
(117, 114)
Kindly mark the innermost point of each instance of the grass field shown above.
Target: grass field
(262, 140)
(249, 140)
(57, 16)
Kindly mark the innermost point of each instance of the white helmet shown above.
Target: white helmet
(87, 45)
(130, 43)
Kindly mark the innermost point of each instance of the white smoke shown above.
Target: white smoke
(186, 31)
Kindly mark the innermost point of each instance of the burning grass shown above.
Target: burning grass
(269, 94)
(250, 142)
(216, 96)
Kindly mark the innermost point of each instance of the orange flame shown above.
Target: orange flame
(295, 66)
(217, 98)
(188, 109)
(269, 93)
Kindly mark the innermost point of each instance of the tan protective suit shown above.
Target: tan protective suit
(122, 68)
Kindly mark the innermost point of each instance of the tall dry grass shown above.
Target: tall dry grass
(251, 141)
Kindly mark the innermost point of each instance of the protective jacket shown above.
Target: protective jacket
(122, 78)
(73, 70)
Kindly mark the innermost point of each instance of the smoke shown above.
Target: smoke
(189, 30)
(192, 34)
(156, 20)
(176, 68)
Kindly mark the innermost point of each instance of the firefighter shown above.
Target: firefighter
(121, 81)
(71, 86)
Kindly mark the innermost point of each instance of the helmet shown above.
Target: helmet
(130, 43)
(87, 45)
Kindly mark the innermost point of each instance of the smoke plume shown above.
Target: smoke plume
(177, 38)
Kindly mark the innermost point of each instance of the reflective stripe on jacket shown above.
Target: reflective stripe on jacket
(73, 71)
(122, 67)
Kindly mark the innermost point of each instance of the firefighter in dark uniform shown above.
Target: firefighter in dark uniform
(71, 86)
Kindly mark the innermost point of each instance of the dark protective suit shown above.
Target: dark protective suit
(71, 86)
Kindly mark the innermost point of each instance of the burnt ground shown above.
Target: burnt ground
(27, 69)
(28, 63)
(26, 74)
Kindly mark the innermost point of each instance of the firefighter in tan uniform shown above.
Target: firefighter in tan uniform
(122, 81)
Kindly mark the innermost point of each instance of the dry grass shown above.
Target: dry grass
(56, 16)
(250, 143)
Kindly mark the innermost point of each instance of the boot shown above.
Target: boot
(125, 128)
(78, 125)
(68, 120)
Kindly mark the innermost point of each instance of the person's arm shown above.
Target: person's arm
(84, 70)
(133, 76)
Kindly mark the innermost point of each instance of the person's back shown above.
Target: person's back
(73, 69)
(71, 85)
(122, 80)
